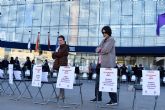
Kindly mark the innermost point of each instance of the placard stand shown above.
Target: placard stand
(150, 85)
(118, 91)
(10, 78)
(139, 87)
(156, 100)
(77, 84)
(45, 81)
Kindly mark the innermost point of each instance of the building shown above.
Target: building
(133, 24)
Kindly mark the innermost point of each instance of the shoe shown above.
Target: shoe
(111, 103)
(94, 100)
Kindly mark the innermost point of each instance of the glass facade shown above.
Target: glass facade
(133, 22)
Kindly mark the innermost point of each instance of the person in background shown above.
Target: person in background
(33, 62)
(12, 61)
(90, 72)
(17, 64)
(39, 60)
(129, 73)
(45, 67)
(5, 63)
(135, 71)
(161, 70)
(1, 66)
(61, 58)
(140, 68)
(106, 59)
(123, 70)
(27, 66)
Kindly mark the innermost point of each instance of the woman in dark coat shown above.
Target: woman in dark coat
(61, 58)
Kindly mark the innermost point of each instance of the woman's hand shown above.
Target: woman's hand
(98, 49)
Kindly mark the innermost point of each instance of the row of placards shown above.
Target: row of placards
(108, 79)
(65, 77)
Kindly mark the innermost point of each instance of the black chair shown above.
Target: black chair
(48, 81)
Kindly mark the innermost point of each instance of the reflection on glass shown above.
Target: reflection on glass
(133, 23)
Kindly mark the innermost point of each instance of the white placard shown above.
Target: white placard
(55, 74)
(108, 80)
(44, 77)
(1, 73)
(37, 75)
(27, 73)
(65, 77)
(10, 73)
(151, 82)
(17, 75)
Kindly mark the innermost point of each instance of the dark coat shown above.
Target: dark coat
(45, 67)
(27, 65)
(17, 65)
(123, 70)
(61, 57)
(5, 64)
(12, 62)
(1, 66)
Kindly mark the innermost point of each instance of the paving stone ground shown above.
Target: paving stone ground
(73, 96)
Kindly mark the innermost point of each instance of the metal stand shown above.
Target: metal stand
(9, 87)
(43, 100)
(118, 94)
(156, 99)
(5, 79)
(133, 105)
(1, 84)
(139, 87)
(26, 88)
(76, 105)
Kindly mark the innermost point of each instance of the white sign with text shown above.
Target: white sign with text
(10, 73)
(27, 73)
(17, 75)
(151, 82)
(65, 77)
(108, 80)
(37, 75)
(44, 77)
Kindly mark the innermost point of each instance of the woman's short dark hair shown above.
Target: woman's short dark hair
(107, 30)
(61, 36)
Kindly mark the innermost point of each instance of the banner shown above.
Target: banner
(37, 47)
(160, 23)
(37, 75)
(10, 73)
(65, 77)
(151, 82)
(108, 80)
